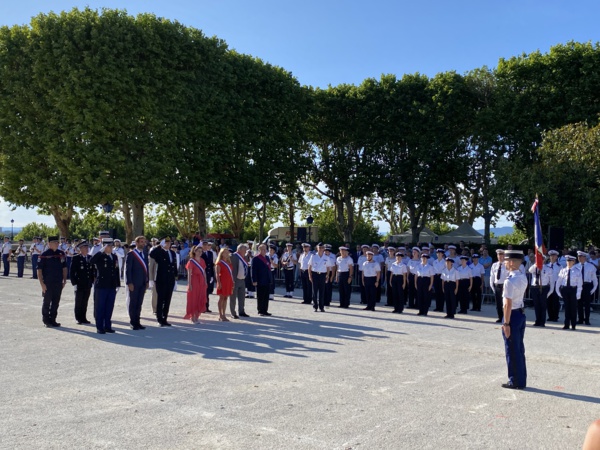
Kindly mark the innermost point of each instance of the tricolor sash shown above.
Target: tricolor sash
(199, 266)
(228, 268)
(141, 261)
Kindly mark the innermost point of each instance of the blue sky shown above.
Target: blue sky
(332, 42)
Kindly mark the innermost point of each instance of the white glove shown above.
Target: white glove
(117, 290)
(151, 284)
(75, 288)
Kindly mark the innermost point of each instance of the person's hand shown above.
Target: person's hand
(64, 282)
(189, 288)
(455, 291)
(130, 286)
(151, 284)
(256, 284)
(376, 283)
(43, 288)
(506, 331)
(75, 288)
(349, 280)
(469, 289)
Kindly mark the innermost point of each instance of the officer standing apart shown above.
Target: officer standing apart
(497, 278)
(21, 253)
(569, 286)
(590, 284)
(6, 251)
(52, 273)
(513, 326)
(82, 275)
(106, 285)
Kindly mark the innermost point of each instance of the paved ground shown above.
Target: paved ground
(344, 379)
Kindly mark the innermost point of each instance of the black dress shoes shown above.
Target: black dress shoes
(511, 386)
(208, 310)
(499, 320)
(55, 324)
(100, 331)
(235, 316)
(244, 315)
(109, 330)
(566, 327)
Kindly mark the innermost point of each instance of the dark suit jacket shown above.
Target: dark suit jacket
(82, 271)
(261, 272)
(135, 272)
(166, 271)
(210, 264)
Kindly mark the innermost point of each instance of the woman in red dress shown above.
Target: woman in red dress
(224, 278)
(196, 291)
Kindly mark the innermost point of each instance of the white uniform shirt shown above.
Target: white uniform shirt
(331, 262)
(319, 263)
(477, 270)
(389, 262)
(546, 276)
(399, 268)
(371, 268)
(494, 280)
(439, 265)
(6, 247)
(464, 273)
(21, 251)
(424, 270)
(344, 264)
(589, 275)
(514, 288)
(289, 259)
(361, 262)
(119, 251)
(95, 249)
(304, 260)
(575, 279)
(36, 249)
(274, 261)
(449, 274)
(412, 265)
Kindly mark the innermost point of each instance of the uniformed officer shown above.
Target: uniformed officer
(371, 273)
(136, 276)
(288, 262)
(424, 273)
(52, 273)
(331, 265)
(303, 261)
(318, 270)
(465, 284)
(343, 276)
(6, 252)
(553, 299)
(397, 283)
(438, 265)
(477, 275)
(450, 287)
(589, 286)
(36, 250)
(82, 275)
(569, 286)
(542, 287)
(166, 273)
(96, 246)
(389, 260)
(274, 265)
(209, 259)
(21, 253)
(513, 326)
(360, 263)
(250, 288)
(70, 252)
(497, 277)
(412, 271)
(106, 284)
(381, 260)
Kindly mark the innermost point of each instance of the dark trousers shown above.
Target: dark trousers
(34, 261)
(553, 307)
(69, 258)
(328, 292)
(6, 263)
(318, 285)
(412, 291)
(82, 297)
(584, 305)
(249, 286)
(136, 299)
(104, 304)
(262, 298)
(289, 279)
(272, 286)
(361, 285)
(515, 349)
(164, 292)
(450, 297)
(540, 303)
(439, 293)
(476, 293)
(378, 289)
(389, 291)
(569, 295)
(345, 289)
(499, 290)
(395, 285)
(423, 294)
(370, 292)
(463, 295)
(209, 290)
(20, 266)
(306, 287)
(51, 302)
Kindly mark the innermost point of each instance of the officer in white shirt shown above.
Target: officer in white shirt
(360, 263)
(330, 275)
(381, 260)
(553, 298)
(274, 263)
(465, 285)
(450, 287)
(303, 261)
(318, 269)
(391, 259)
(288, 262)
(119, 251)
(398, 280)
(424, 273)
(412, 268)
(36, 250)
(477, 274)
(371, 273)
(6, 252)
(513, 327)
(542, 287)
(343, 276)
(569, 286)
(21, 253)
(438, 265)
(498, 275)
(589, 286)
(96, 246)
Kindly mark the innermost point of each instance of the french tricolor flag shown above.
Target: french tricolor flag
(540, 248)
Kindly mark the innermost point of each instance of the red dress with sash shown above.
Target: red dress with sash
(226, 277)
(196, 298)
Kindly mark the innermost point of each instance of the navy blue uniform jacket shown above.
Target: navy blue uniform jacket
(136, 273)
(261, 272)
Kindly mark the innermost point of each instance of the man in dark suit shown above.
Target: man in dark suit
(261, 278)
(136, 277)
(209, 260)
(166, 272)
(82, 278)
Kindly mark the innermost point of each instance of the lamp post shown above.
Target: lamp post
(12, 223)
(107, 207)
(309, 222)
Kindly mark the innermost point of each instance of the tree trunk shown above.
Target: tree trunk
(62, 217)
(200, 213)
(137, 219)
(262, 218)
(415, 217)
(291, 212)
(129, 236)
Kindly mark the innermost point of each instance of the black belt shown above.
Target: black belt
(498, 284)
(289, 268)
(587, 282)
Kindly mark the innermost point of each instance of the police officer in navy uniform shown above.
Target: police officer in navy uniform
(513, 323)
(52, 273)
(136, 277)
(166, 273)
(82, 278)
(589, 286)
(106, 285)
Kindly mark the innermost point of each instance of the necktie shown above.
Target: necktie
(170, 257)
(499, 273)
(582, 273)
(568, 277)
